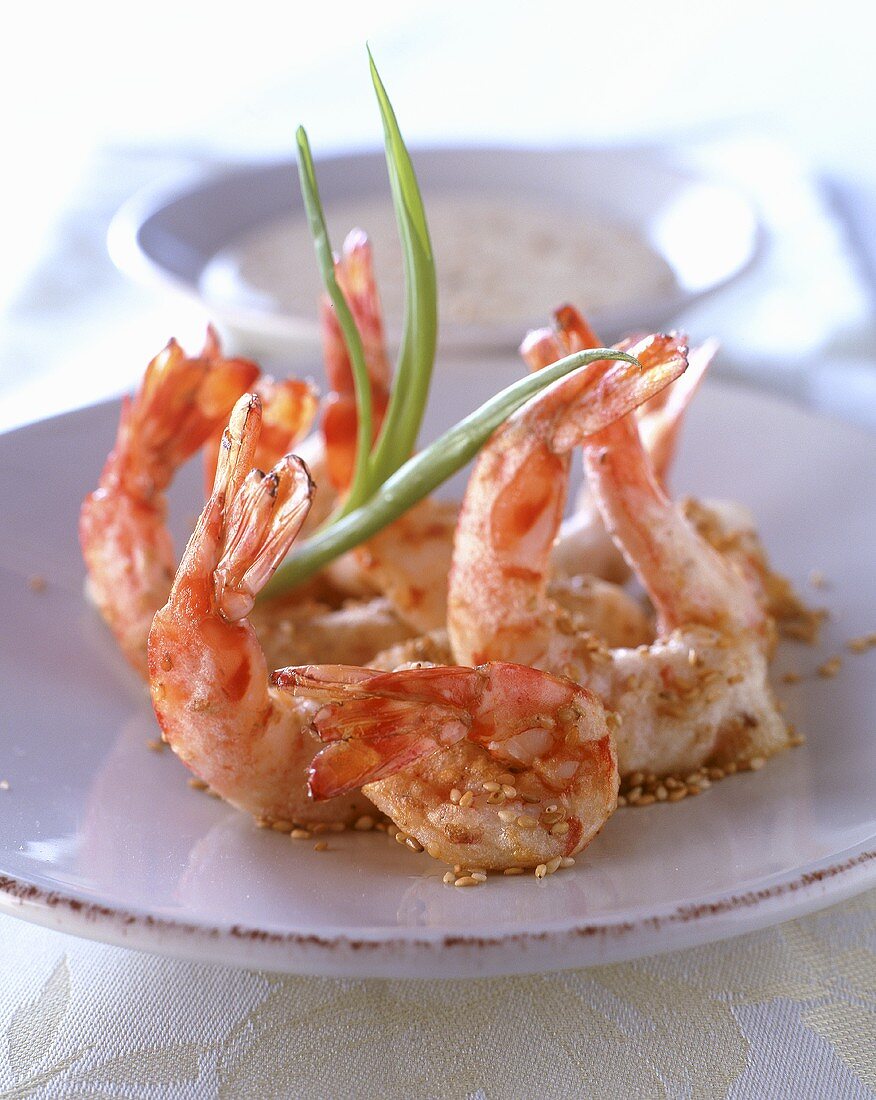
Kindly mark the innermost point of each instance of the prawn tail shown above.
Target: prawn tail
(371, 738)
(261, 513)
(354, 269)
(660, 419)
(289, 407)
(373, 725)
(611, 389)
(181, 402)
(619, 388)
(355, 274)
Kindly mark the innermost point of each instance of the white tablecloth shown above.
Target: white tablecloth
(784, 1014)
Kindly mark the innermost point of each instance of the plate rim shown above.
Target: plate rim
(392, 953)
(135, 261)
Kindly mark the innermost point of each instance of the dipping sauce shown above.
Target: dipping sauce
(501, 261)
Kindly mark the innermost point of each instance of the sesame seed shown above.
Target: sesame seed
(300, 834)
(281, 826)
(567, 861)
(467, 880)
(364, 824)
(731, 768)
(661, 794)
(455, 795)
(526, 822)
(4, 784)
(337, 827)
(507, 815)
(466, 799)
(830, 668)
(457, 867)
(560, 829)
(509, 791)
(479, 876)
(37, 583)
(756, 763)
(321, 846)
(621, 800)
(492, 786)
(320, 827)
(400, 838)
(678, 795)
(646, 800)
(513, 871)
(495, 798)
(197, 784)
(449, 878)
(541, 870)
(155, 744)
(552, 808)
(553, 864)
(213, 794)
(414, 844)
(506, 777)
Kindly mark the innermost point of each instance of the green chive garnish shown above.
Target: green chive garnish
(360, 487)
(413, 374)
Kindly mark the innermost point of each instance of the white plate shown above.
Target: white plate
(103, 838)
(701, 234)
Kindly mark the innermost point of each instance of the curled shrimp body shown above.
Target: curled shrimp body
(208, 677)
(699, 692)
(499, 605)
(122, 525)
(494, 767)
(181, 405)
(583, 544)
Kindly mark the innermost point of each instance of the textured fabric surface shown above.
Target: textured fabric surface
(789, 1012)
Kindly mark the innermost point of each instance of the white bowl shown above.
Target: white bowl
(641, 238)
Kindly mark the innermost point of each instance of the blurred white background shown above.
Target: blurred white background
(102, 98)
